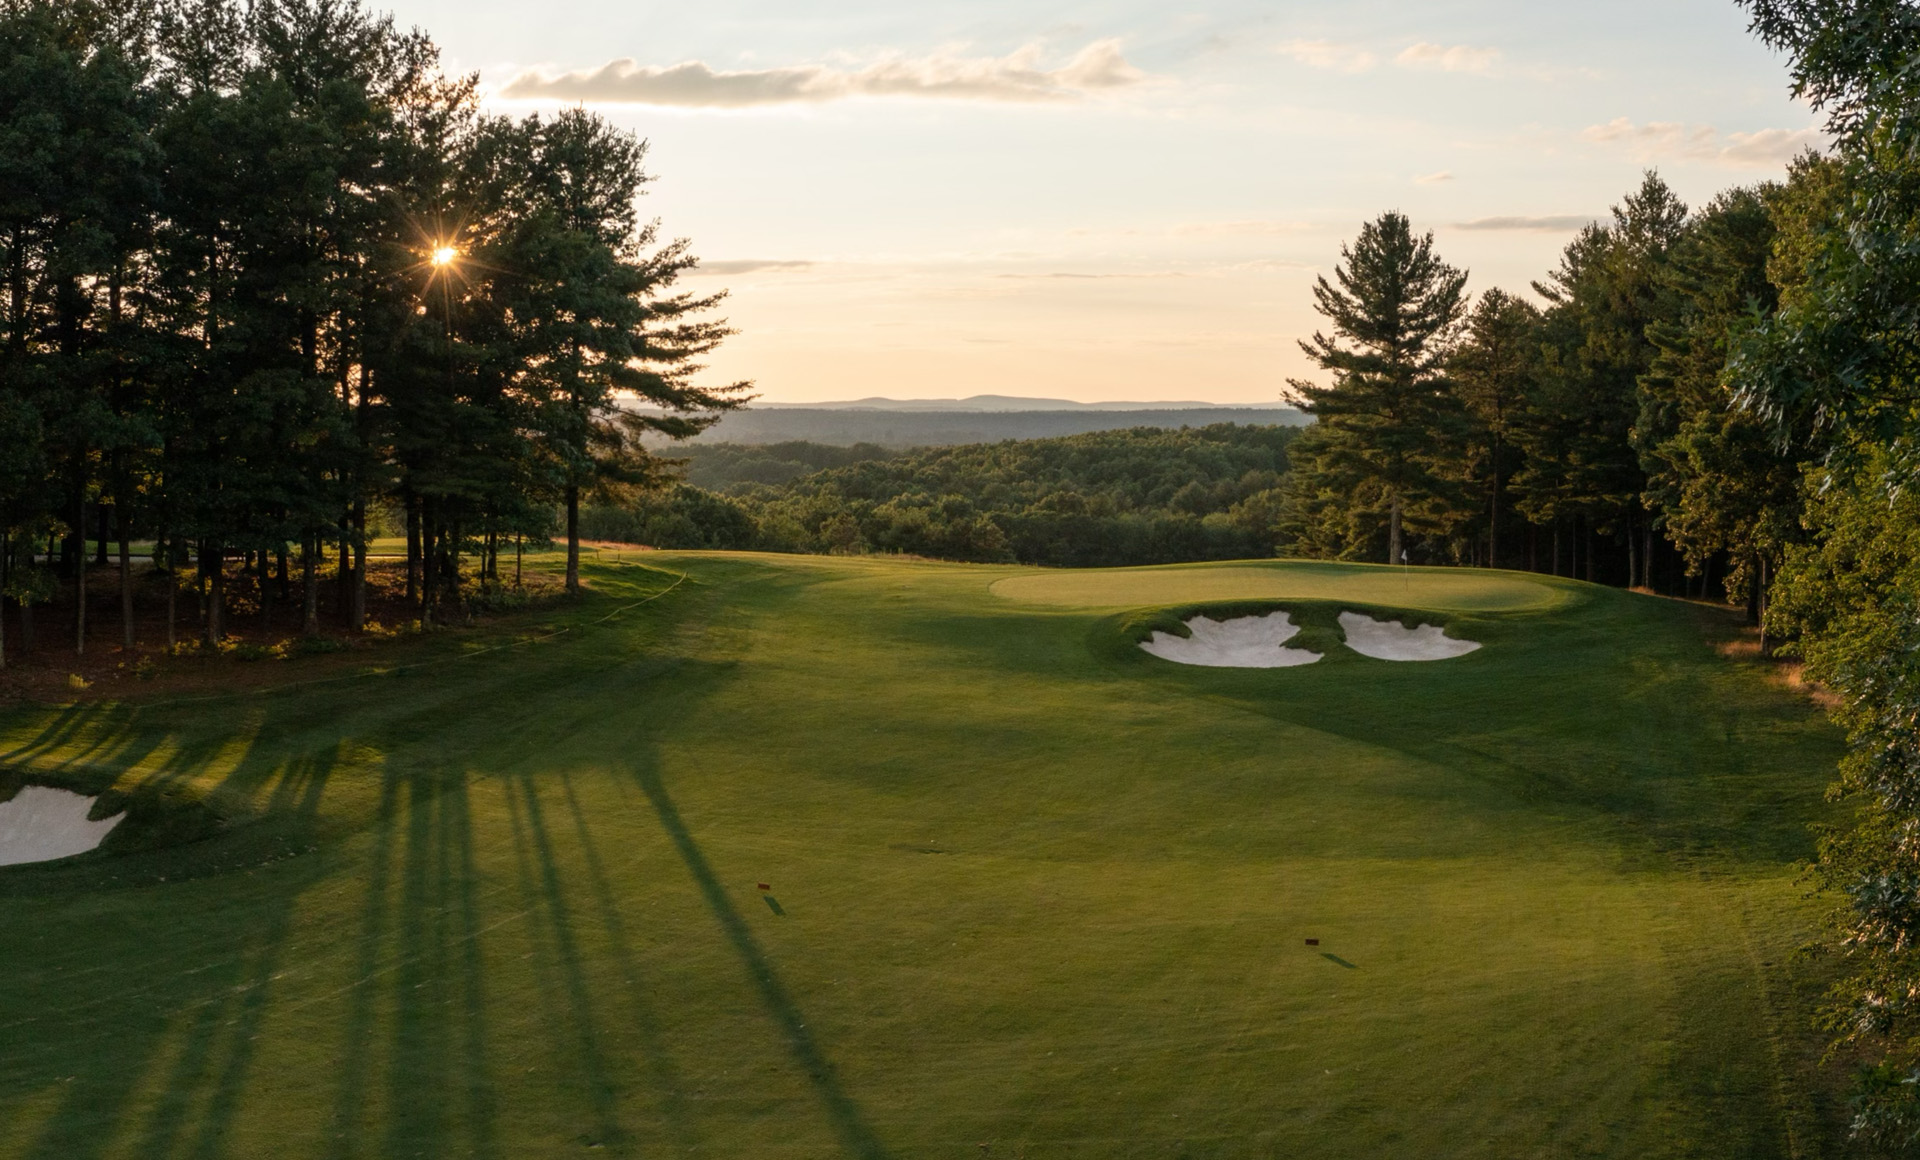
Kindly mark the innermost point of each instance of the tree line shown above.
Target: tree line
(1131, 496)
(1592, 432)
(269, 268)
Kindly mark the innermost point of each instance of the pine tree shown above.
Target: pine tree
(1393, 311)
(1493, 372)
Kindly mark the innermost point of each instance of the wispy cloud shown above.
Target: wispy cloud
(1656, 140)
(1449, 58)
(1265, 265)
(1070, 276)
(1251, 227)
(1241, 228)
(1439, 178)
(1771, 146)
(1325, 54)
(748, 266)
(1018, 76)
(1551, 223)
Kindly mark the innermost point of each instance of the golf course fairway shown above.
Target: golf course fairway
(1029, 890)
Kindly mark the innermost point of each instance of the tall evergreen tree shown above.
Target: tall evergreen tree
(1583, 474)
(1493, 372)
(1393, 306)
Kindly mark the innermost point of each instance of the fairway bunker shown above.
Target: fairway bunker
(40, 824)
(1389, 640)
(1245, 642)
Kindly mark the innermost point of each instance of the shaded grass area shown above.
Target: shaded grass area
(1029, 888)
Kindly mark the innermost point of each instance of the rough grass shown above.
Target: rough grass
(1032, 892)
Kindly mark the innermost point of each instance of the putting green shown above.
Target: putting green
(1028, 890)
(1438, 589)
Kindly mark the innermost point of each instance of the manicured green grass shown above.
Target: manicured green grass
(1445, 589)
(1030, 888)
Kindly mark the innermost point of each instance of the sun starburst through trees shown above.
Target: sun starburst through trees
(270, 268)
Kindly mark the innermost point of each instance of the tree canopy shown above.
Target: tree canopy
(269, 267)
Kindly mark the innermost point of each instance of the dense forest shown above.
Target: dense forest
(269, 269)
(1110, 497)
(1595, 432)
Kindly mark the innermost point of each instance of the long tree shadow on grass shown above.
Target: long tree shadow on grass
(393, 1018)
(848, 1122)
(203, 1020)
(540, 879)
(660, 1066)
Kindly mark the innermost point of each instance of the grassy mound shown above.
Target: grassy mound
(861, 857)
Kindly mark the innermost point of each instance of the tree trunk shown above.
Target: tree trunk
(454, 595)
(1556, 546)
(428, 532)
(517, 551)
(126, 574)
(80, 584)
(1493, 524)
(216, 597)
(1590, 571)
(6, 568)
(309, 590)
(260, 581)
(357, 614)
(1633, 558)
(343, 582)
(100, 524)
(413, 549)
(573, 536)
(1763, 606)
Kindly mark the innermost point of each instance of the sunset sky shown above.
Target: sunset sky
(1118, 200)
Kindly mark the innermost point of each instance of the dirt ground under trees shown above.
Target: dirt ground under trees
(259, 638)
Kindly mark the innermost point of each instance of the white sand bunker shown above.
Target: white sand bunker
(1389, 640)
(39, 824)
(1246, 642)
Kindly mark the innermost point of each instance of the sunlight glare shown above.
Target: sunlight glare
(444, 255)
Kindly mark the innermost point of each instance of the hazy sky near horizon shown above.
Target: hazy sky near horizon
(1118, 199)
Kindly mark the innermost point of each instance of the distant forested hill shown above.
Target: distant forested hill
(1142, 495)
(842, 428)
(722, 466)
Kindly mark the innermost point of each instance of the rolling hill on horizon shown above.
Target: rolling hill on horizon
(845, 426)
(1010, 403)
